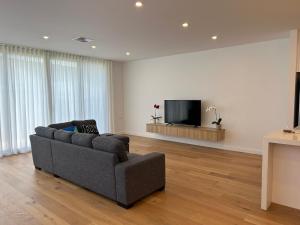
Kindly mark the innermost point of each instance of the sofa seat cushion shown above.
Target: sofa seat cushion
(45, 132)
(64, 136)
(82, 139)
(111, 145)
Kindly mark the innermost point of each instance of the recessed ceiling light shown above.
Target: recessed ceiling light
(93, 46)
(128, 53)
(214, 37)
(138, 4)
(46, 37)
(185, 25)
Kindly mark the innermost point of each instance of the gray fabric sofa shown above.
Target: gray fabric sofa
(101, 164)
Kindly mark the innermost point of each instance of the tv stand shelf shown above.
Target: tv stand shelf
(199, 133)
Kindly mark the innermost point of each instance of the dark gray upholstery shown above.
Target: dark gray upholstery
(59, 126)
(132, 155)
(99, 169)
(64, 136)
(139, 177)
(123, 138)
(82, 139)
(41, 152)
(111, 145)
(86, 167)
(46, 132)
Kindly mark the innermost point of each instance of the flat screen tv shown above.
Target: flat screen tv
(186, 112)
(297, 102)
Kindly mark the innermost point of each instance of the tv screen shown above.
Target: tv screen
(183, 112)
(297, 105)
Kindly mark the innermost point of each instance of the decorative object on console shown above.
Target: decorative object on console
(156, 117)
(218, 120)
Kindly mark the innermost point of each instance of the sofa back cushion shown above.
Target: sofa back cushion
(82, 139)
(86, 126)
(112, 145)
(59, 126)
(64, 136)
(46, 132)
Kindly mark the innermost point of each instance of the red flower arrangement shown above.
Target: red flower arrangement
(156, 106)
(155, 117)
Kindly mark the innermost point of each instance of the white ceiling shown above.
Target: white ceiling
(152, 31)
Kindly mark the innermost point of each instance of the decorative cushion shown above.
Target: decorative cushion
(90, 129)
(81, 125)
(70, 128)
(111, 145)
(46, 132)
(82, 139)
(64, 136)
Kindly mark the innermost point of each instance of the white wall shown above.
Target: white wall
(248, 84)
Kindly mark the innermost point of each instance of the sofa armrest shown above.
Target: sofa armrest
(139, 177)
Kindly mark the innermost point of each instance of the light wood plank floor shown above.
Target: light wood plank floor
(204, 186)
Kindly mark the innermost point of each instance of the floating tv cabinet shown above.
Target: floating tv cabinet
(199, 133)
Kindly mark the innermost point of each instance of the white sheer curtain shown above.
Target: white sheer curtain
(40, 87)
(23, 98)
(65, 87)
(80, 89)
(97, 72)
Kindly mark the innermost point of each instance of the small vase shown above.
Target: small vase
(218, 126)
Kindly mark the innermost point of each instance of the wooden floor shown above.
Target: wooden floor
(204, 186)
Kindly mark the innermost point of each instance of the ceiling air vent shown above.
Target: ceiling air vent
(83, 39)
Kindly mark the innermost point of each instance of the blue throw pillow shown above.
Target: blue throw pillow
(71, 128)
